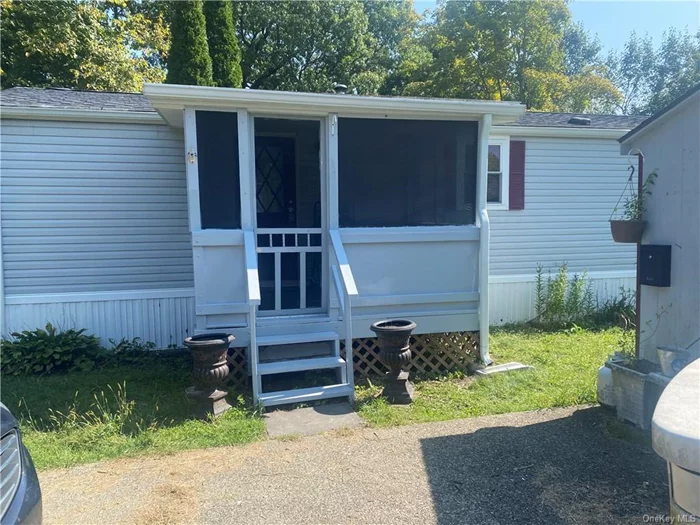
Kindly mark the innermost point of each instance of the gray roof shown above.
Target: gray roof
(27, 97)
(63, 98)
(561, 120)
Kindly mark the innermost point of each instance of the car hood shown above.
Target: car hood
(7, 420)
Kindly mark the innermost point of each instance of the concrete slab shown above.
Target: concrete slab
(311, 420)
(506, 367)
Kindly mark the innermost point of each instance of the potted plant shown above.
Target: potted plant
(629, 227)
(636, 383)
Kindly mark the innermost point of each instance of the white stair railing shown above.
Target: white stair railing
(346, 289)
(279, 241)
(253, 296)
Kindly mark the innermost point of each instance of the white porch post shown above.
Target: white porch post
(484, 237)
(246, 163)
(332, 171)
(192, 170)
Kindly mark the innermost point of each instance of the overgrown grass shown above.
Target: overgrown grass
(141, 408)
(126, 410)
(565, 362)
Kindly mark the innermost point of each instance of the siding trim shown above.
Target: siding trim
(79, 297)
(559, 133)
(82, 115)
(526, 278)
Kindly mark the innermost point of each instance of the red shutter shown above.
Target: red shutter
(516, 184)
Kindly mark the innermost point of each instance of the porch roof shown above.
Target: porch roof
(169, 100)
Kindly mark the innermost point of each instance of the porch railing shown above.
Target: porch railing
(253, 296)
(347, 289)
(289, 240)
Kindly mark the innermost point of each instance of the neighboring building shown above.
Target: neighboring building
(670, 144)
(267, 213)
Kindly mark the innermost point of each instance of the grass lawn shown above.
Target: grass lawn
(118, 411)
(141, 408)
(566, 365)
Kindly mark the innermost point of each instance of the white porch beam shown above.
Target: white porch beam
(246, 168)
(484, 224)
(192, 170)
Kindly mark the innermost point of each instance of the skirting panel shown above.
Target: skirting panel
(512, 300)
(166, 320)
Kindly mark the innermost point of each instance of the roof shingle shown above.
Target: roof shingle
(27, 97)
(63, 98)
(561, 120)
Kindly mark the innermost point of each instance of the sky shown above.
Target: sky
(613, 21)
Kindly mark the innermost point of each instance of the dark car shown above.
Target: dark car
(20, 495)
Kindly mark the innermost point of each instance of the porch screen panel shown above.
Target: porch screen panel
(219, 177)
(406, 172)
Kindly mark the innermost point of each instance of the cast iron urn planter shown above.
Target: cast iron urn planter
(209, 369)
(393, 336)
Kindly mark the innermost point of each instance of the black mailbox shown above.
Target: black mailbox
(655, 265)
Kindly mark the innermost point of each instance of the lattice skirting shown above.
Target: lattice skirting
(237, 368)
(432, 354)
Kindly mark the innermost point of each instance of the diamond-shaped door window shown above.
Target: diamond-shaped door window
(268, 176)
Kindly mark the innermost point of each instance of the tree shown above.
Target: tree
(580, 49)
(483, 49)
(631, 71)
(310, 45)
(189, 61)
(649, 78)
(83, 45)
(677, 69)
(223, 45)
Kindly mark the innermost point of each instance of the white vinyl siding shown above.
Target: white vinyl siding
(571, 187)
(90, 206)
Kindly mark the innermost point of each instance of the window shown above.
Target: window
(497, 183)
(219, 184)
(406, 172)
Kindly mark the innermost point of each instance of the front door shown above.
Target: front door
(289, 234)
(275, 181)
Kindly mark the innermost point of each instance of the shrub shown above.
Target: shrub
(560, 301)
(618, 310)
(130, 351)
(49, 351)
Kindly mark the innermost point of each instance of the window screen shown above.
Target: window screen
(406, 172)
(219, 179)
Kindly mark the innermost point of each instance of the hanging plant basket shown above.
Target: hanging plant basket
(627, 231)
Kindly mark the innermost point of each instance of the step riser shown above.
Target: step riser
(300, 365)
(304, 328)
(297, 338)
(305, 395)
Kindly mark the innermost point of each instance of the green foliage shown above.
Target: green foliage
(616, 311)
(129, 410)
(189, 62)
(223, 45)
(131, 351)
(651, 78)
(83, 45)
(634, 205)
(566, 364)
(49, 351)
(560, 301)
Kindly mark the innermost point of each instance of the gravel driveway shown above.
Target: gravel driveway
(553, 466)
